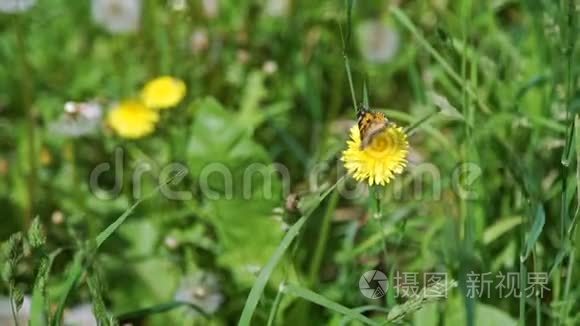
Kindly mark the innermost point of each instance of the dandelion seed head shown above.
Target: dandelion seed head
(201, 289)
(117, 16)
(210, 8)
(379, 42)
(270, 67)
(277, 8)
(78, 119)
(199, 41)
(16, 6)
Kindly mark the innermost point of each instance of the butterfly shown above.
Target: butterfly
(370, 124)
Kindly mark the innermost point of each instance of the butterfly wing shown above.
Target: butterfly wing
(370, 124)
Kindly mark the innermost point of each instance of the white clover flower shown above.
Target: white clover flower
(117, 16)
(378, 41)
(201, 290)
(16, 6)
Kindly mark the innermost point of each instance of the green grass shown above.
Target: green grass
(487, 92)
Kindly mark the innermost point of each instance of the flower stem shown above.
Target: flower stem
(26, 102)
(379, 217)
(12, 306)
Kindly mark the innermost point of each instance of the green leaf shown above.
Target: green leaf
(158, 309)
(72, 279)
(240, 187)
(266, 272)
(537, 227)
(105, 234)
(79, 264)
(327, 303)
(250, 115)
(243, 250)
(402, 18)
(498, 229)
(224, 154)
(485, 315)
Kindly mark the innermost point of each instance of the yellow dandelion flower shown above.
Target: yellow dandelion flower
(163, 92)
(132, 119)
(381, 160)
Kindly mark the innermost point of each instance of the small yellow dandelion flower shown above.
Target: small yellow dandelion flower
(163, 92)
(381, 160)
(132, 119)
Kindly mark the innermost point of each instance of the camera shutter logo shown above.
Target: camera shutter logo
(373, 284)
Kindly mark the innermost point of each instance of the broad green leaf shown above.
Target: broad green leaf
(247, 234)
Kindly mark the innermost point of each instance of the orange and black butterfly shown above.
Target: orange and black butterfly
(370, 124)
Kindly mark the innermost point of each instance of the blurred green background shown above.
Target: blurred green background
(488, 89)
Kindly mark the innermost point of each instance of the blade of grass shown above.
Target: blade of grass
(266, 272)
(577, 148)
(276, 304)
(327, 303)
(322, 239)
(365, 94)
(80, 262)
(105, 234)
(569, 53)
(537, 227)
(346, 320)
(415, 125)
(73, 276)
(157, 309)
(345, 47)
(406, 22)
